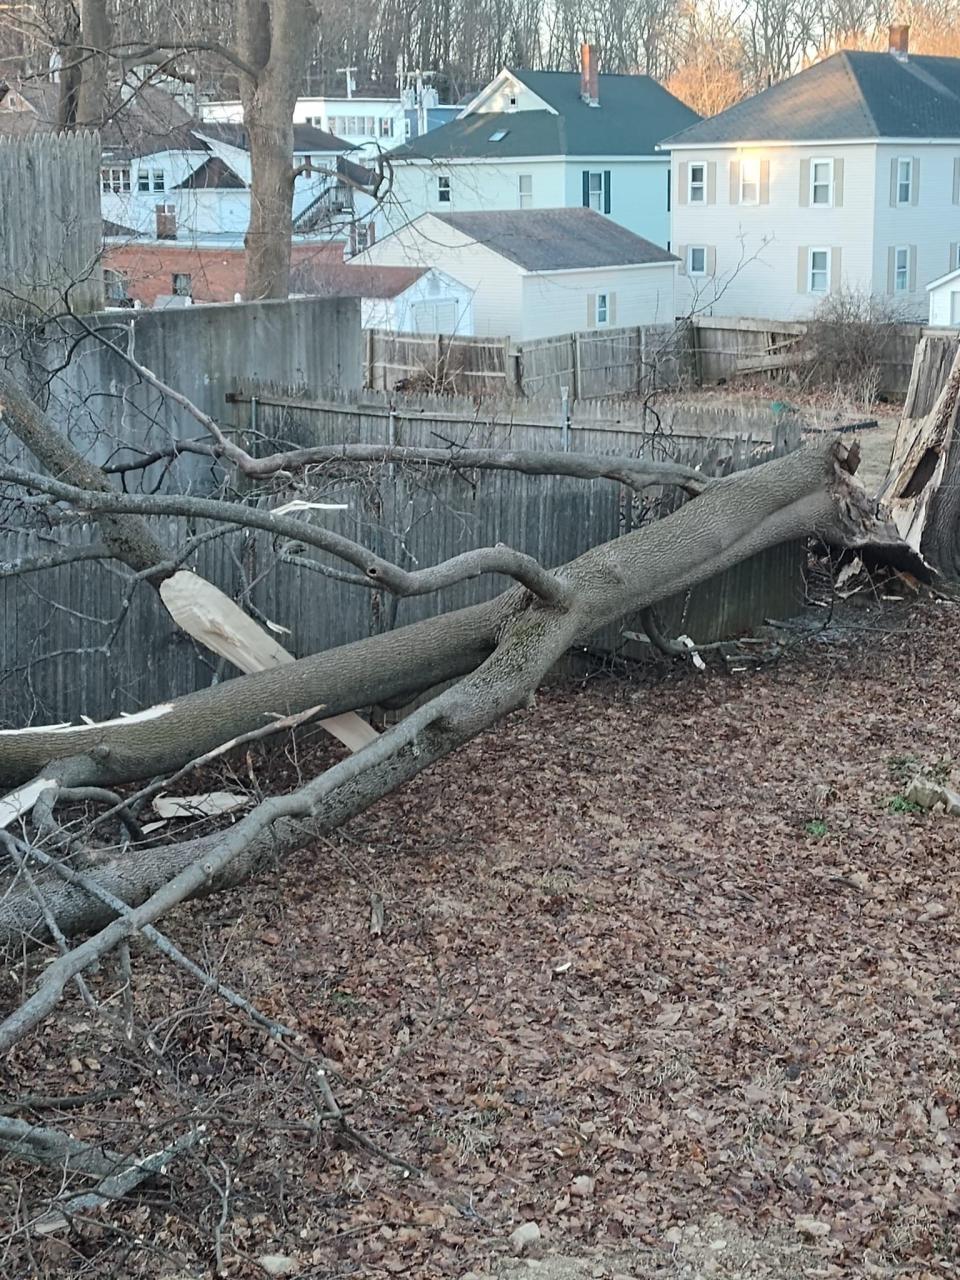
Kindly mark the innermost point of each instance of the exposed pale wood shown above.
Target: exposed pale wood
(214, 620)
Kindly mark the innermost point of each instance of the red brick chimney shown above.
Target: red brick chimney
(900, 40)
(589, 78)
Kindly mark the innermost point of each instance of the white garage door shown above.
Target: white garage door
(435, 316)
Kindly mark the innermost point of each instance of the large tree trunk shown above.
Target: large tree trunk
(96, 36)
(506, 646)
(275, 41)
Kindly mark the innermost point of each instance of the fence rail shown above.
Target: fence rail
(50, 229)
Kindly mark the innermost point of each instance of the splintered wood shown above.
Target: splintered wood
(924, 438)
(215, 621)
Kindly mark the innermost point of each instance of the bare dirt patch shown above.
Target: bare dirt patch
(661, 964)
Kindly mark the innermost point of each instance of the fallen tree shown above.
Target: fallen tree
(498, 653)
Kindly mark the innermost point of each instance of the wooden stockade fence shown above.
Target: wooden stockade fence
(608, 362)
(50, 228)
(77, 641)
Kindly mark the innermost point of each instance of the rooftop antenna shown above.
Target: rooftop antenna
(351, 81)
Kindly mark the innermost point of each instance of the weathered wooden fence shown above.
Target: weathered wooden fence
(78, 641)
(608, 362)
(729, 348)
(50, 228)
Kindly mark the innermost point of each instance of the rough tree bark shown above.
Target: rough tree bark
(96, 37)
(275, 41)
(502, 650)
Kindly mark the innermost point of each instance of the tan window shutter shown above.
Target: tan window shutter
(803, 258)
(734, 181)
(915, 181)
(711, 260)
(956, 180)
(838, 184)
(893, 181)
(891, 268)
(591, 310)
(611, 308)
(711, 182)
(683, 170)
(836, 275)
(681, 252)
(764, 181)
(912, 251)
(804, 183)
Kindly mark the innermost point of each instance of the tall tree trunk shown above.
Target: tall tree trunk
(71, 68)
(275, 42)
(96, 35)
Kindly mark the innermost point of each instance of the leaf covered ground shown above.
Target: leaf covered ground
(668, 969)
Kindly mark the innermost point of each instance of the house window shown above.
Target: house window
(697, 260)
(512, 102)
(603, 309)
(386, 127)
(594, 192)
(904, 181)
(698, 184)
(819, 273)
(182, 284)
(749, 180)
(821, 182)
(525, 190)
(116, 180)
(901, 270)
(151, 180)
(444, 191)
(408, 128)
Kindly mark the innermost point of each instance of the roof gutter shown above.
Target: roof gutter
(613, 266)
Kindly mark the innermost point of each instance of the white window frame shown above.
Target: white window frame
(697, 185)
(691, 250)
(904, 166)
(825, 271)
(814, 202)
(181, 276)
(115, 179)
(901, 272)
(595, 193)
(750, 165)
(386, 126)
(601, 313)
(524, 198)
(444, 189)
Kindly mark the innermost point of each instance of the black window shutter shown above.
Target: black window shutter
(606, 191)
(586, 188)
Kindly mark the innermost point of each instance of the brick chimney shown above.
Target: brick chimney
(589, 79)
(900, 40)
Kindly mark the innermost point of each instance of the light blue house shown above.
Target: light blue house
(547, 140)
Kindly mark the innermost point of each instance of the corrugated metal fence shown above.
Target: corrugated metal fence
(77, 640)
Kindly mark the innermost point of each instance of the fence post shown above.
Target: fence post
(368, 344)
(574, 388)
(565, 419)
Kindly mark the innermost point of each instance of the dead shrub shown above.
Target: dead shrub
(846, 338)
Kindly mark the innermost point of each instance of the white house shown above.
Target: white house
(539, 272)
(196, 183)
(943, 297)
(403, 299)
(846, 176)
(368, 123)
(547, 140)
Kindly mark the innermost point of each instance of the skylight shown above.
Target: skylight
(499, 135)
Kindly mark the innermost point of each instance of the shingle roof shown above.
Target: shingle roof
(306, 138)
(852, 94)
(556, 239)
(635, 113)
(213, 174)
(325, 279)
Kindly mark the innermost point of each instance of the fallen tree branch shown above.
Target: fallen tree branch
(512, 642)
(469, 564)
